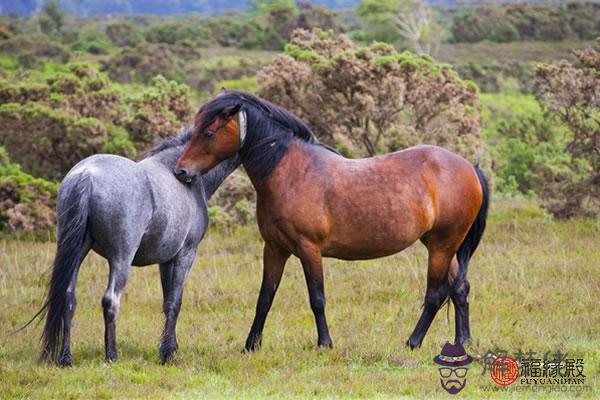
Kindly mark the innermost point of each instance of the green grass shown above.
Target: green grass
(535, 285)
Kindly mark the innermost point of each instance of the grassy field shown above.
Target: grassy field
(535, 286)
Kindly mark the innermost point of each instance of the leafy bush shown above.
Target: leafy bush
(368, 100)
(123, 34)
(234, 203)
(174, 31)
(26, 203)
(161, 111)
(571, 94)
(45, 142)
(526, 145)
(33, 49)
(48, 127)
(145, 61)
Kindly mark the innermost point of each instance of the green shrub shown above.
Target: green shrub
(161, 111)
(48, 127)
(123, 34)
(526, 145)
(380, 100)
(33, 49)
(27, 204)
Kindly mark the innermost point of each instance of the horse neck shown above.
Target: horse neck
(295, 161)
(213, 179)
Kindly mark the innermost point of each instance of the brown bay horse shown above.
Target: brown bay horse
(314, 203)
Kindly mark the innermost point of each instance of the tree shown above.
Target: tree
(369, 100)
(572, 94)
(412, 19)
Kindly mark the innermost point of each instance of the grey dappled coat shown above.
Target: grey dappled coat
(131, 213)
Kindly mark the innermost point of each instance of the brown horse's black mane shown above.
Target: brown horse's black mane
(270, 129)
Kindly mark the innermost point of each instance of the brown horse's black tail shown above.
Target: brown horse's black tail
(471, 241)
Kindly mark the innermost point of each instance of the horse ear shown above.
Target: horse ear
(222, 91)
(229, 112)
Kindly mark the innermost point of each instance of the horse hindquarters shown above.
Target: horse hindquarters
(73, 244)
(450, 247)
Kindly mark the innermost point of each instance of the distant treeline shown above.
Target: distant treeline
(514, 22)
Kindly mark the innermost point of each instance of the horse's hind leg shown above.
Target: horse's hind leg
(172, 276)
(459, 296)
(66, 359)
(437, 292)
(117, 279)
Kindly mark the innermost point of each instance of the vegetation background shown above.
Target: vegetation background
(516, 85)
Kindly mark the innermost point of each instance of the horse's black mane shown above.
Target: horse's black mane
(270, 129)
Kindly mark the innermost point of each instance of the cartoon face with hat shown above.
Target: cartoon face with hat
(453, 371)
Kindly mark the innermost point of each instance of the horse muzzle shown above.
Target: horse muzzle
(184, 175)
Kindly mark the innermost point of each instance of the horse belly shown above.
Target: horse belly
(371, 224)
(367, 242)
(167, 234)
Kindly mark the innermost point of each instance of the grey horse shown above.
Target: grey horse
(131, 214)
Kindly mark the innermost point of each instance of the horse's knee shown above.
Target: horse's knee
(460, 293)
(110, 305)
(434, 298)
(71, 301)
(171, 307)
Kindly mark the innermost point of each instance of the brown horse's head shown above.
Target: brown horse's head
(214, 138)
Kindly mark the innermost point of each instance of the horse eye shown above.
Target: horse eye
(209, 134)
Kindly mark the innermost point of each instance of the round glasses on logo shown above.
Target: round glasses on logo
(446, 372)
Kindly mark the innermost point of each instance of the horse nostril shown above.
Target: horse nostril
(183, 175)
(179, 172)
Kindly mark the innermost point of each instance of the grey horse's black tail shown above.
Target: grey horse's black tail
(71, 235)
(471, 241)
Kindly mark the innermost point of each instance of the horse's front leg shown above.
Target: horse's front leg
(274, 259)
(312, 263)
(172, 276)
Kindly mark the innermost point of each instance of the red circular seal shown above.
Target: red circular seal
(504, 371)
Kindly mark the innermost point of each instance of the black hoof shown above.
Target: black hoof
(65, 361)
(253, 343)
(413, 344)
(462, 340)
(325, 343)
(167, 352)
(111, 357)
